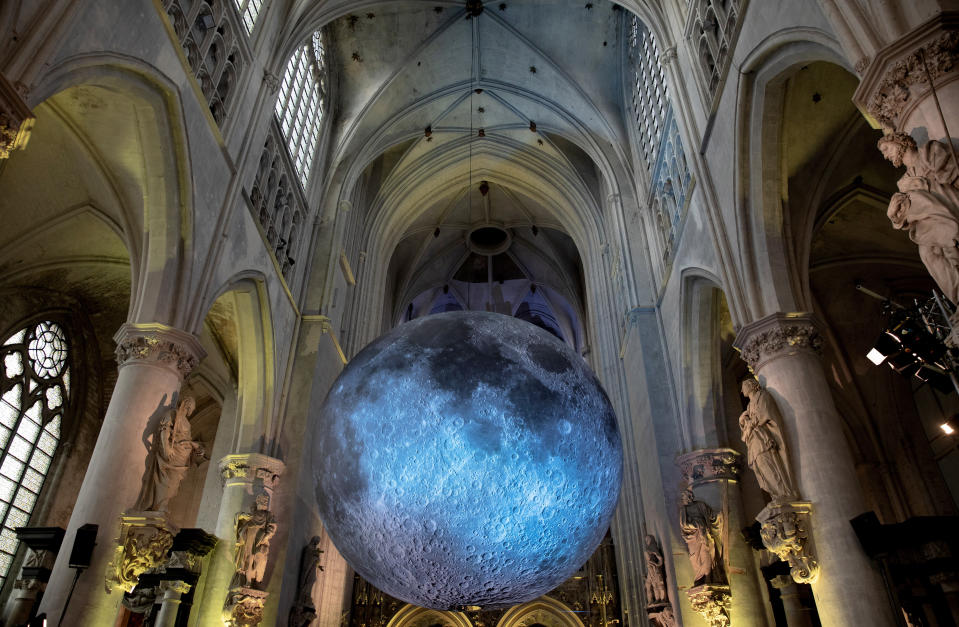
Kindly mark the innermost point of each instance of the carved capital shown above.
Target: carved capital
(898, 76)
(667, 56)
(251, 468)
(29, 587)
(272, 81)
(712, 602)
(16, 120)
(777, 335)
(143, 543)
(244, 607)
(705, 465)
(784, 528)
(158, 344)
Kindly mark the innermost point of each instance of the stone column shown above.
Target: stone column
(170, 602)
(783, 351)
(714, 476)
(796, 614)
(42, 544)
(153, 360)
(244, 476)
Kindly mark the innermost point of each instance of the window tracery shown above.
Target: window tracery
(34, 394)
(249, 10)
(648, 85)
(711, 27)
(208, 33)
(301, 103)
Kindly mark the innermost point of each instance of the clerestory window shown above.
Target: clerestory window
(34, 394)
(301, 103)
(648, 86)
(249, 10)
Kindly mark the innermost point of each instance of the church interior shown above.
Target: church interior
(719, 205)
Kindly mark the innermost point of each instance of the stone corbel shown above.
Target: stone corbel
(16, 119)
(706, 465)
(784, 528)
(143, 543)
(252, 469)
(244, 607)
(712, 603)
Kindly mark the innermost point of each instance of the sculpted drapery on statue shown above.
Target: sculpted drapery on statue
(655, 572)
(927, 205)
(172, 453)
(761, 426)
(701, 528)
(254, 532)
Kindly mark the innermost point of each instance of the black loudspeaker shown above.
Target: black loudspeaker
(83, 545)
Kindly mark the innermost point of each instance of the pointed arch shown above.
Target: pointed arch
(414, 616)
(544, 611)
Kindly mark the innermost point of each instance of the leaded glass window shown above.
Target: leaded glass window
(301, 103)
(34, 393)
(248, 10)
(648, 87)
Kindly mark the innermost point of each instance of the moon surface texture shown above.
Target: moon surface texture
(467, 458)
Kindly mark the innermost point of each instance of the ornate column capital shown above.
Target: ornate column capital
(160, 345)
(714, 464)
(251, 468)
(712, 603)
(16, 119)
(173, 588)
(244, 607)
(896, 80)
(777, 335)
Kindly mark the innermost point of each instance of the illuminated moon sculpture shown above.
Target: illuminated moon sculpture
(467, 458)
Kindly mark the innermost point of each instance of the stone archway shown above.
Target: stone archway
(415, 616)
(544, 612)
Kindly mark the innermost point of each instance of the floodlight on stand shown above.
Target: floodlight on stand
(947, 428)
(885, 346)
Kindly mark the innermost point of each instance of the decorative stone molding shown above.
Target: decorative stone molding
(705, 465)
(143, 543)
(777, 335)
(251, 468)
(173, 588)
(897, 77)
(244, 607)
(272, 81)
(784, 528)
(16, 119)
(712, 602)
(158, 344)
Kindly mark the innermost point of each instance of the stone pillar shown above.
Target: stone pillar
(16, 120)
(244, 476)
(896, 91)
(714, 476)
(153, 360)
(783, 351)
(796, 614)
(170, 602)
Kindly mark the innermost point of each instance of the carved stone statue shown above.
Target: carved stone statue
(172, 453)
(304, 611)
(765, 447)
(701, 528)
(927, 205)
(254, 532)
(655, 573)
(663, 618)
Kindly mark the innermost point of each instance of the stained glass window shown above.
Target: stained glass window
(248, 10)
(34, 393)
(301, 103)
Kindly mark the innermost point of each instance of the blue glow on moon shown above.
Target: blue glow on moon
(467, 458)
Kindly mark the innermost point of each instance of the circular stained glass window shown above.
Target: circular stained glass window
(48, 350)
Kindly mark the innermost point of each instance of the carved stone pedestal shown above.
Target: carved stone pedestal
(244, 607)
(712, 602)
(144, 541)
(784, 528)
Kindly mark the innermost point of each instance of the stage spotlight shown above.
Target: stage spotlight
(947, 428)
(885, 346)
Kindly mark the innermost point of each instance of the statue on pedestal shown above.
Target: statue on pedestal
(701, 528)
(655, 573)
(304, 610)
(254, 532)
(927, 205)
(172, 453)
(761, 426)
